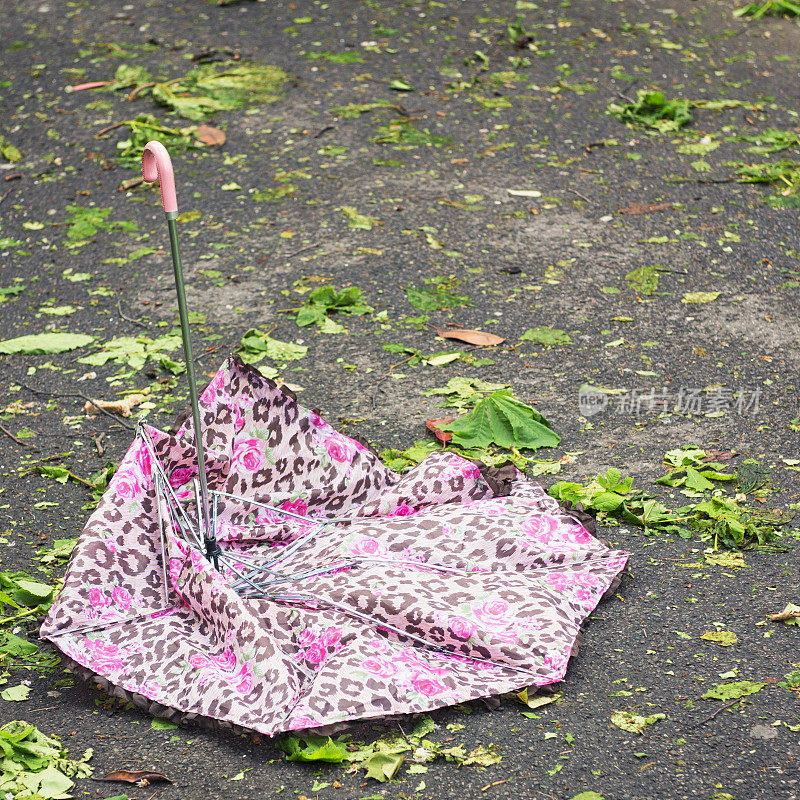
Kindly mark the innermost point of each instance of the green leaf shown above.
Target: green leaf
(607, 501)
(634, 723)
(723, 638)
(700, 297)
(16, 694)
(8, 151)
(210, 88)
(644, 280)
(359, 221)
(547, 336)
(311, 747)
(652, 109)
(45, 343)
(588, 796)
(694, 480)
(163, 725)
(128, 75)
(733, 691)
(257, 344)
(432, 299)
(501, 420)
(326, 300)
(15, 646)
(32, 593)
(383, 766)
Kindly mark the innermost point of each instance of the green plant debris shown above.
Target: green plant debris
(96, 484)
(257, 344)
(732, 560)
(549, 337)
(753, 476)
(399, 460)
(588, 796)
(653, 110)
(437, 295)
(135, 352)
(60, 551)
(722, 638)
(720, 520)
(503, 421)
(462, 393)
(769, 8)
(643, 280)
(693, 469)
(785, 174)
(634, 723)
(415, 357)
(402, 134)
(359, 221)
(382, 759)
(725, 523)
(347, 57)
(45, 343)
(143, 129)
(16, 694)
(35, 765)
(354, 110)
(325, 300)
(695, 298)
(771, 140)
(733, 691)
(8, 151)
(84, 222)
(211, 88)
(791, 682)
(10, 292)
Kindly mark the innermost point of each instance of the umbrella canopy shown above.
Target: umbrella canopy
(344, 590)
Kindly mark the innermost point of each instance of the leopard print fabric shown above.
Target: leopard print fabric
(420, 590)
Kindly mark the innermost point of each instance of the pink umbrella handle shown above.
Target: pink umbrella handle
(157, 165)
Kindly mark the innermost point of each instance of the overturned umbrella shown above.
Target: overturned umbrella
(258, 569)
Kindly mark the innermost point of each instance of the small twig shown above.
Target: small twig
(506, 780)
(403, 734)
(10, 435)
(98, 443)
(582, 196)
(301, 250)
(6, 194)
(109, 128)
(324, 130)
(129, 319)
(82, 396)
(138, 89)
(129, 184)
(727, 705)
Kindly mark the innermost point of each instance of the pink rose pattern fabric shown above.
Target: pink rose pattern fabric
(436, 590)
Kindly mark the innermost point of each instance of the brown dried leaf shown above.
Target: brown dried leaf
(645, 208)
(139, 776)
(790, 612)
(432, 425)
(480, 338)
(212, 136)
(720, 455)
(122, 407)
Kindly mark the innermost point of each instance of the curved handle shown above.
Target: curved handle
(157, 165)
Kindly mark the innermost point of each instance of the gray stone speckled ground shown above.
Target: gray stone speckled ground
(557, 256)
